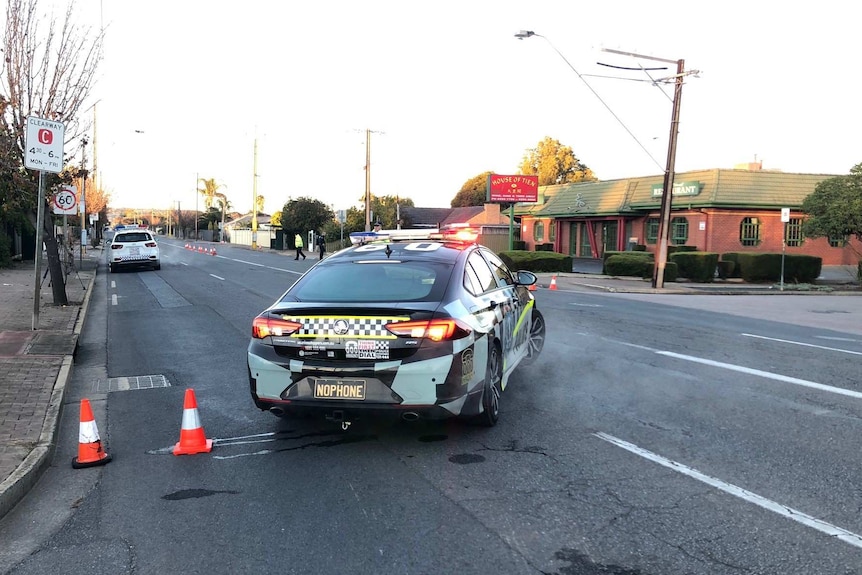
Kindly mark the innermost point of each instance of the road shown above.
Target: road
(654, 436)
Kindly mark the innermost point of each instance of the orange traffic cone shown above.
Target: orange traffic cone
(90, 452)
(531, 287)
(553, 282)
(212, 252)
(192, 438)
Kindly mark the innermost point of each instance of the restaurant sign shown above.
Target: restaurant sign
(513, 188)
(679, 189)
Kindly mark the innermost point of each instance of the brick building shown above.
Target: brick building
(720, 210)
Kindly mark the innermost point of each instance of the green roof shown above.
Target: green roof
(703, 188)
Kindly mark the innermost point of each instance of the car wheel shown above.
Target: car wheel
(158, 266)
(491, 390)
(537, 338)
(112, 268)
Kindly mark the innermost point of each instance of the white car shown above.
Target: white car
(133, 246)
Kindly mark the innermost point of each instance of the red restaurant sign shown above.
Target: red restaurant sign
(513, 188)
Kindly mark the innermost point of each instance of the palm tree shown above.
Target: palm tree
(225, 206)
(209, 190)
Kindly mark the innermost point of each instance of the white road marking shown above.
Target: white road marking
(850, 339)
(746, 370)
(217, 277)
(586, 304)
(803, 344)
(768, 504)
(113, 299)
(250, 263)
(113, 284)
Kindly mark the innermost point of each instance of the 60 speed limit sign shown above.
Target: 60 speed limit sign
(66, 201)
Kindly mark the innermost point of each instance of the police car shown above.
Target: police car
(416, 325)
(133, 246)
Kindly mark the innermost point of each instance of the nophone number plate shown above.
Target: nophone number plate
(350, 389)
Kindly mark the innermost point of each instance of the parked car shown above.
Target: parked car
(133, 246)
(416, 325)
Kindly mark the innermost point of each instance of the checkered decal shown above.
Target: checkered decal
(343, 326)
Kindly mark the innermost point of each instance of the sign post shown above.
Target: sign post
(43, 151)
(512, 189)
(785, 217)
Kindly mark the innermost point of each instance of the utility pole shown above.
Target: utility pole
(83, 201)
(254, 200)
(197, 216)
(368, 176)
(667, 188)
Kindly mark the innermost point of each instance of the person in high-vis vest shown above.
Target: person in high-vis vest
(297, 242)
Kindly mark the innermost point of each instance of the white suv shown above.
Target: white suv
(133, 246)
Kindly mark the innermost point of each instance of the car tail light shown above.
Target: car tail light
(116, 246)
(433, 329)
(263, 327)
(150, 244)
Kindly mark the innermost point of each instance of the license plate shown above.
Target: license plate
(135, 251)
(350, 389)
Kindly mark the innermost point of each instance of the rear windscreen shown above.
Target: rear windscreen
(128, 238)
(373, 282)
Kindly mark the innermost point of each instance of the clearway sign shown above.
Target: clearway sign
(44, 149)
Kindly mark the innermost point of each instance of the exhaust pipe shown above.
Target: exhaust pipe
(277, 411)
(409, 416)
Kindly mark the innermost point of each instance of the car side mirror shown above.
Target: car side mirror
(525, 278)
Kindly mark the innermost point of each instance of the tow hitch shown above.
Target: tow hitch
(338, 417)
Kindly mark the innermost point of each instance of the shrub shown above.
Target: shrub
(761, 267)
(725, 268)
(696, 266)
(628, 264)
(518, 245)
(677, 249)
(544, 247)
(733, 257)
(536, 261)
(639, 248)
(648, 256)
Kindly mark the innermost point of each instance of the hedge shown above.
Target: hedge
(540, 261)
(766, 267)
(696, 266)
(630, 264)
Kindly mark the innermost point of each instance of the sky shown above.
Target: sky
(188, 87)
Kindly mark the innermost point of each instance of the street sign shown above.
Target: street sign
(44, 149)
(785, 215)
(66, 201)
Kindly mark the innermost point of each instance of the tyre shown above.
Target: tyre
(112, 268)
(537, 338)
(158, 266)
(491, 390)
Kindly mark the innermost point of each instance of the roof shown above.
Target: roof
(439, 217)
(702, 188)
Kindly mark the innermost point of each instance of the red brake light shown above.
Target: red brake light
(116, 246)
(263, 327)
(150, 244)
(434, 329)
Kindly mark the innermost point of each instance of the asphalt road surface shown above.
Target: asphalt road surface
(656, 435)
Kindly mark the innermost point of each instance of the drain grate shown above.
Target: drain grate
(129, 383)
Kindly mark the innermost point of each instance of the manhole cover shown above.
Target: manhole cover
(130, 383)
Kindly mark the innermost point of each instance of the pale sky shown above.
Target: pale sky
(186, 87)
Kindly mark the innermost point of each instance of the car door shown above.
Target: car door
(512, 331)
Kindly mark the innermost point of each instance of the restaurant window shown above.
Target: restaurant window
(793, 233)
(679, 231)
(749, 232)
(539, 231)
(552, 230)
(837, 242)
(652, 230)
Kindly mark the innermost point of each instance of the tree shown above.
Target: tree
(555, 164)
(303, 214)
(275, 220)
(474, 192)
(48, 70)
(209, 190)
(834, 208)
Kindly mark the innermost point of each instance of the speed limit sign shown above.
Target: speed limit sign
(66, 200)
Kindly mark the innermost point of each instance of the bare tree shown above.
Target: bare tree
(48, 70)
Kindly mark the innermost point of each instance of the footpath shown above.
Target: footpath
(36, 365)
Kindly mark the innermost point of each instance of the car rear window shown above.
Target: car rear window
(371, 282)
(132, 237)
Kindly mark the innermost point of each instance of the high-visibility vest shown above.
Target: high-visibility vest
(297, 241)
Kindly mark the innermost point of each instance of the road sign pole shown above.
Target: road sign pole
(37, 283)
